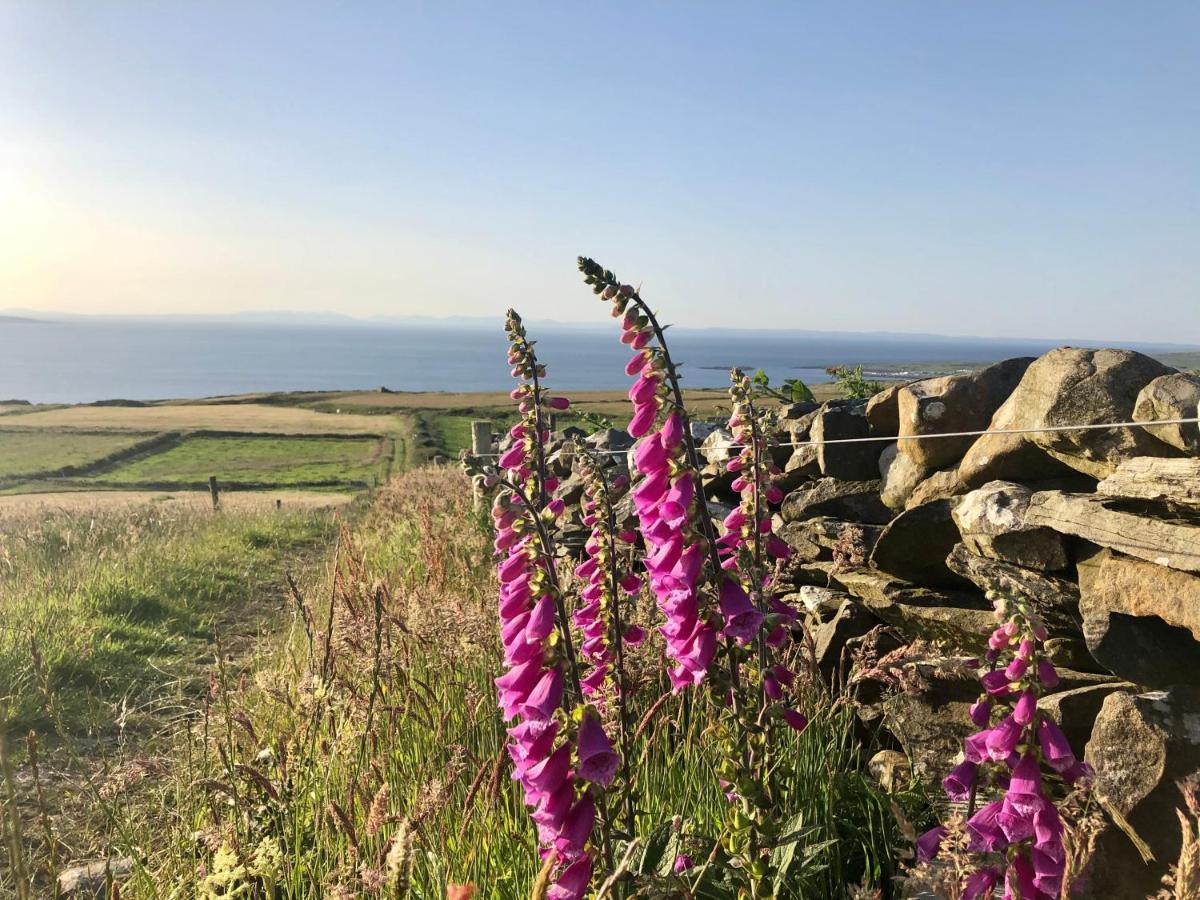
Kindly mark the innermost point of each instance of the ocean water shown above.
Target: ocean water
(85, 360)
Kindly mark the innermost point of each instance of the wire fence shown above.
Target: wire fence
(884, 439)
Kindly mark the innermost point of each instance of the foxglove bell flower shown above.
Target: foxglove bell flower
(598, 761)
(665, 494)
(552, 765)
(1029, 750)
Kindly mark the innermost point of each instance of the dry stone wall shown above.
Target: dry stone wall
(897, 542)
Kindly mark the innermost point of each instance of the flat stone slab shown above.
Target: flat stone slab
(1152, 478)
(1119, 525)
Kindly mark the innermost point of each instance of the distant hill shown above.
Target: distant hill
(20, 320)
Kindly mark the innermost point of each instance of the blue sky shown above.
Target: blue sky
(999, 169)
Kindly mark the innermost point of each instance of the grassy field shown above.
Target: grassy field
(258, 461)
(194, 417)
(372, 722)
(247, 446)
(100, 613)
(26, 454)
(16, 509)
(376, 710)
(267, 441)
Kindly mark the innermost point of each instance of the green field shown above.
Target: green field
(25, 454)
(257, 461)
(101, 613)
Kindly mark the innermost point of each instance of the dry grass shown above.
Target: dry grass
(17, 507)
(699, 401)
(247, 417)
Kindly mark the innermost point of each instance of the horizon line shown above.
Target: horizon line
(288, 318)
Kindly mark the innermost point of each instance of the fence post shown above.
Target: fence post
(481, 445)
(214, 491)
(481, 437)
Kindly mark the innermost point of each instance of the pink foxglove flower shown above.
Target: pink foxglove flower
(1020, 834)
(548, 760)
(598, 761)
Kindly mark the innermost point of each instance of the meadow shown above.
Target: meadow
(340, 441)
(27, 454)
(341, 725)
(182, 685)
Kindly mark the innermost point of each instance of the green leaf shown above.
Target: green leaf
(661, 836)
(799, 390)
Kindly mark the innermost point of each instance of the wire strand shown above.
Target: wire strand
(925, 437)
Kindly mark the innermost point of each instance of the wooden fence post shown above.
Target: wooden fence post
(481, 445)
(481, 437)
(214, 491)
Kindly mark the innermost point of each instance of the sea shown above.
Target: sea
(94, 359)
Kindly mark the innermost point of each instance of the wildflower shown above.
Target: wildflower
(929, 843)
(961, 781)
(1023, 823)
(573, 882)
(742, 620)
(597, 760)
(550, 760)
(981, 884)
(1056, 750)
(796, 720)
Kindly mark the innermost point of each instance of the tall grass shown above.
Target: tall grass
(101, 614)
(365, 757)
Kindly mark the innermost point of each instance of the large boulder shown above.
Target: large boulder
(827, 534)
(1075, 710)
(804, 463)
(883, 411)
(790, 414)
(953, 403)
(1055, 599)
(610, 439)
(939, 485)
(719, 447)
(831, 638)
(93, 880)
(1140, 620)
(931, 715)
(1071, 386)
(798, 426)
(991, 521)
(819, 604)
(854, 501)
(959, 619)
(1000, 456)
(796, 536)
(1173, 396)
(931, 718)
(915, 544)
(899, 475)
(1140, 747)
(843, 420)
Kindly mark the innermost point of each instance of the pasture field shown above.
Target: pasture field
(176, 446)
(19, 509)
(25, 454)
(335, 440)
(103, 613)
(194, 417)
(259, 461)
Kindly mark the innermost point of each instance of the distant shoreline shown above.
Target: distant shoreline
(86, 361)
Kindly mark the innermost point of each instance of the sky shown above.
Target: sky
(986, 168)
